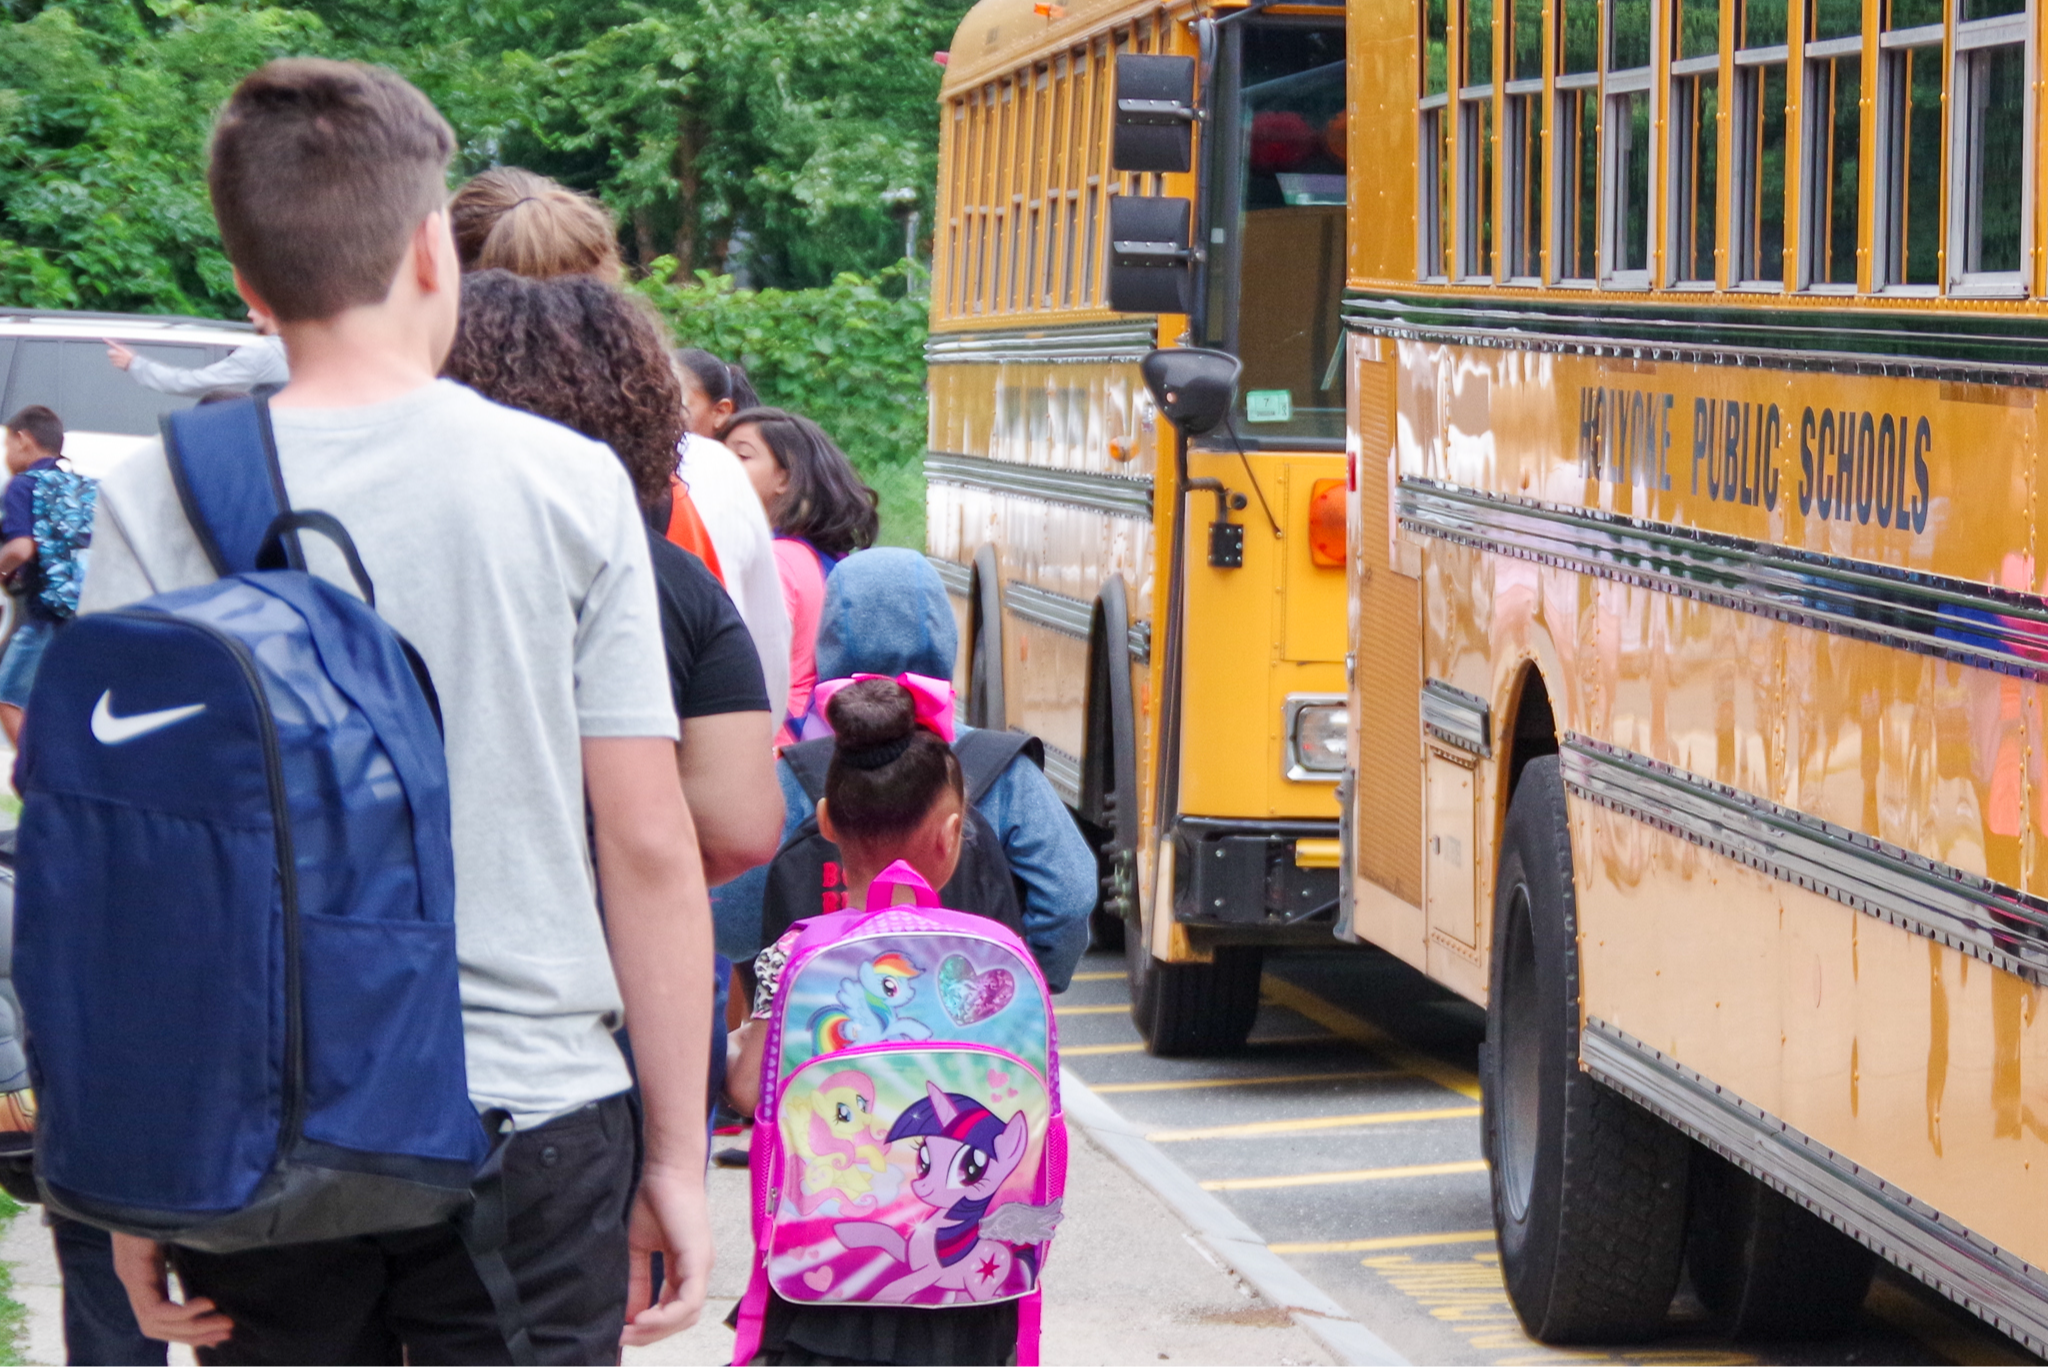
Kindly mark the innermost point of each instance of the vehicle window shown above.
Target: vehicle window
(1277, 228)
(73, 377)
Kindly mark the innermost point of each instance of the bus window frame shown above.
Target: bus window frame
(1887, 277)
(1215, 321)
(1520, 163)
(1617, 89)
(1568, 87)
(1436, 153)
(1476, 156)
(1677, 201)
(1221, 163)
(1435, 172)
(1815, 56)
(1745, 176)
(1969, 39)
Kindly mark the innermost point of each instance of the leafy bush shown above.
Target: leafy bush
(849, 356)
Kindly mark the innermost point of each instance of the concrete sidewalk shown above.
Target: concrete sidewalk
(1125, 1284)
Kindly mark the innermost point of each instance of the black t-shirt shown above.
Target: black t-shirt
(712, 666)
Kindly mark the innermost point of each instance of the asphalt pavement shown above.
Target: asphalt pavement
(1318, 1196)
(1347, 1135)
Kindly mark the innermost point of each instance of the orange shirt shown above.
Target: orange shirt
(687, 529)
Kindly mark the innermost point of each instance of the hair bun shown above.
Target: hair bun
(870, 715)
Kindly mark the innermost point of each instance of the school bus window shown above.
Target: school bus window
(1475, 142)
(1989, 159)
(1577, 136)
(1695, 142)
(1628, 127)
(1834, 138)
(1276, 231)
(1909, 146)
(1435, 202)
(1758, 235)
(1522, 142)
(1098, 87)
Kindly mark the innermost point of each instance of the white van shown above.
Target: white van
(59, 359)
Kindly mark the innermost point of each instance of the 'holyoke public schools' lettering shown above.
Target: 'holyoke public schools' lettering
(1861, 467)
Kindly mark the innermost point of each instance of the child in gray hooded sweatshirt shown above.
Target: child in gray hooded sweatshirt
(886, 613)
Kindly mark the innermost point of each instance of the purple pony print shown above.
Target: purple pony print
(964, 1155)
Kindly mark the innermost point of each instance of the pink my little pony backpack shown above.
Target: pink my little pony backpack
(908, 1148)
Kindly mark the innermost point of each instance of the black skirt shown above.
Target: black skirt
(900, 1336)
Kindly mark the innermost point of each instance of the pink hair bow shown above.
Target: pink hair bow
(932, 698)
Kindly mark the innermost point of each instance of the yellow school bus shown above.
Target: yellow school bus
(1194, 720)
(1699, 635)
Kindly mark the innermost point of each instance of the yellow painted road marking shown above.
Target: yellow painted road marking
(1084, 1050)
(1321, 1179)
(1099, 1088)
(1338, 1021)
(1120, 1009)
(1467, 1297)
(1098, 977)
(1470, 1236)
(1317, 1122)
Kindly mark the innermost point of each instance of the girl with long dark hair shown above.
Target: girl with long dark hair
(821, 513)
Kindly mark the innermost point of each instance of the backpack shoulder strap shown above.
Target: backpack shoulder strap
(223, 459)
(985, 754)
(808, 762)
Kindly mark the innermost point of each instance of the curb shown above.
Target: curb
(1234, 1242)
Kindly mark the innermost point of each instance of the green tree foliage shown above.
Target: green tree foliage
(849, 355)
(751, 134)
(103, 124)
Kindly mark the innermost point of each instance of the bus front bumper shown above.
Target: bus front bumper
(1255, 881)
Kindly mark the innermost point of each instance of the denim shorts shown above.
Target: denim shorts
(24, 653)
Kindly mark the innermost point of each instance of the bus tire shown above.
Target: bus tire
(1193, 1010)
(1589, 1189)
(1765, 1267)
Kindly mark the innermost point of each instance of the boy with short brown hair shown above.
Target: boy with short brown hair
(35, 443)
(511, 552)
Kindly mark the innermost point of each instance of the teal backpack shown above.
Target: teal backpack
(65, 502)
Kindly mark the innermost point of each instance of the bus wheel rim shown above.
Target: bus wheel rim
(1520, 1052)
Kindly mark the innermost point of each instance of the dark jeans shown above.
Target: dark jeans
(99, 1324)
(414, 1297)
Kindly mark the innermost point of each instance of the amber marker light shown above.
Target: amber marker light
(1326, 522)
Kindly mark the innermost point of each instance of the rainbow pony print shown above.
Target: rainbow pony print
(909, 1148)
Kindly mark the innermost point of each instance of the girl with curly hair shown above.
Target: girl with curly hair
(592, 359)
(821, 513)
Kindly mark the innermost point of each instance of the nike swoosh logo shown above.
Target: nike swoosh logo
(109, 729)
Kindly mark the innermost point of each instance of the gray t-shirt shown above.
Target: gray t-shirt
(511, 553)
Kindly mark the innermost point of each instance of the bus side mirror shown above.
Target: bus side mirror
(1193, 386)
(1151, 269)
(1155, 114)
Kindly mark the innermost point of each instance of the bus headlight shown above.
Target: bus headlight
(1318, 743)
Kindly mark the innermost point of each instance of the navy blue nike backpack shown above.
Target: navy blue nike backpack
(235, 907)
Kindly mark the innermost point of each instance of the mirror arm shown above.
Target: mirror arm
(1255, 7)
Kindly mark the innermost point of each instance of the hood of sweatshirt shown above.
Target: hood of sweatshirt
(886, 612)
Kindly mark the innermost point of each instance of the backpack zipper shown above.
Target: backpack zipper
(287, 870)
